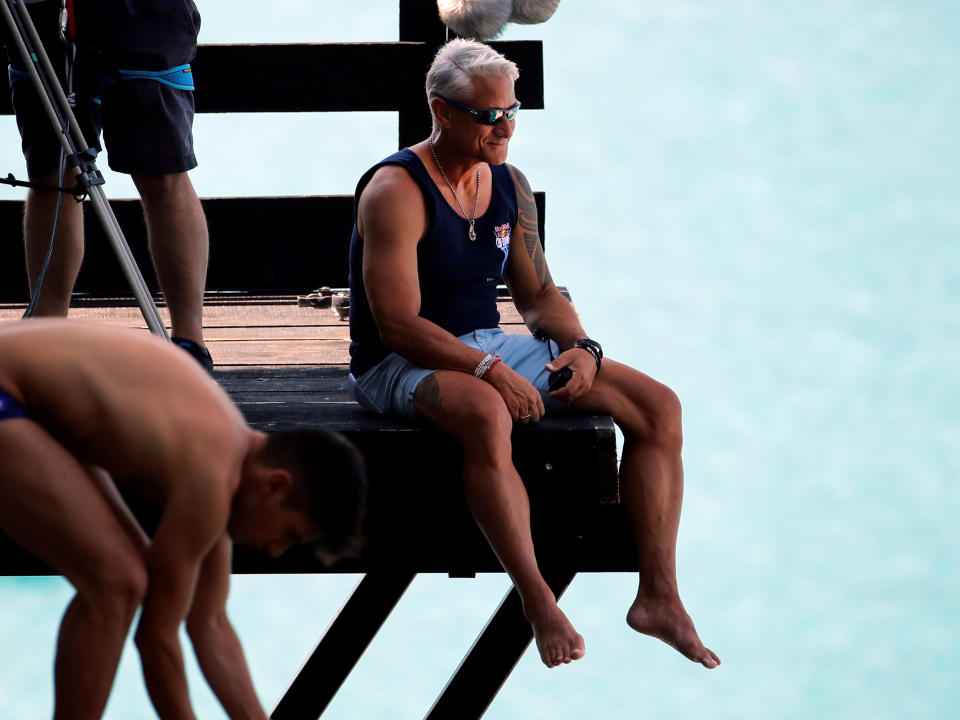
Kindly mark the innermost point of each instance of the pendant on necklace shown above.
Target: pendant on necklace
(472, 233)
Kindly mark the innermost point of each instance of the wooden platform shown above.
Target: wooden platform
(285, 366)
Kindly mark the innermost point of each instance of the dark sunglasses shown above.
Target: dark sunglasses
(485, 116)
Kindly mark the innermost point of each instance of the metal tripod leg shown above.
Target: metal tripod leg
(492, 658)
(71, 139)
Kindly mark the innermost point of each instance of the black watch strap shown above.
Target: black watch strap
(592, 347)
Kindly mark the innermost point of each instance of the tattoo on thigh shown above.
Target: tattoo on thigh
(429, 392)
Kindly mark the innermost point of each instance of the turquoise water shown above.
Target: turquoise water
(757, 204)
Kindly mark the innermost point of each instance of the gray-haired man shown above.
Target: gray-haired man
(433, 236)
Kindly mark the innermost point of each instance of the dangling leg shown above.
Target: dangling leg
(651, 483)
(474, 413)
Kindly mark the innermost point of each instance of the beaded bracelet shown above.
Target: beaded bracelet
(485, 365)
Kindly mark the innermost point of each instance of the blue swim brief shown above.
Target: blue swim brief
(10, 409)
(388, 387)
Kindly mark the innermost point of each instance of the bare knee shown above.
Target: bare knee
(658, 420)
(116, 590)
(488, 420)
(666, 423)
(157, 191)
(478, 419)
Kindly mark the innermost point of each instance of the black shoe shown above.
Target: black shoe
(197, 351)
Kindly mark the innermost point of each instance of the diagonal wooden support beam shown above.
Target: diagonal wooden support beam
(341, 647)
(492, 658)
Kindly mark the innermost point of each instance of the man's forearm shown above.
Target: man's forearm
(113, 497)
(163, 672)
(554, 315)
(426, 344)
(221, 659)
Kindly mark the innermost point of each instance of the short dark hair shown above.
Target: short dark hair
(329, 484)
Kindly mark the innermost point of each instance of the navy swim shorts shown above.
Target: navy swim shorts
(147, 126)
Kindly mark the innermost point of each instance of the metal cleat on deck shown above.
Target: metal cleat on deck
(319, 298)
(341, 305)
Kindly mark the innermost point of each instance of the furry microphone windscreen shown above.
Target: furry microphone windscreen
(530, 12)
(477, 19)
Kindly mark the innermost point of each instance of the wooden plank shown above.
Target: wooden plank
(257, 244)
(331, 77)
(240, 319)
(420, 22)
(272, 333)
(335, 77)
(417, 517)
(342, 645)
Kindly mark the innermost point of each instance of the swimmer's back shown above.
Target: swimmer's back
(119, 398)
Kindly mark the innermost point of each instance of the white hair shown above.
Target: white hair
(457, 63)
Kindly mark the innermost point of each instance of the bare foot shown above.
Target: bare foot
(665, 619)
(557, 640)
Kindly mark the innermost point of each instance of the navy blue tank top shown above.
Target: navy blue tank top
(458, 278)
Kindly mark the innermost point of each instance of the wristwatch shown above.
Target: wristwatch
(592, 347)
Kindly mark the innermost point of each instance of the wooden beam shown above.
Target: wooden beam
(420, 22)
(332, 77)
(276, 244)
(342, 645)
(492, 657)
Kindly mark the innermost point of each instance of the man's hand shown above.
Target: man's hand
(522, 399)
(584, 368)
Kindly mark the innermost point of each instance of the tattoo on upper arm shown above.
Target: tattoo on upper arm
(529, 230)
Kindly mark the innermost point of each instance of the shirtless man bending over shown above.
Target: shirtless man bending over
(83, 403)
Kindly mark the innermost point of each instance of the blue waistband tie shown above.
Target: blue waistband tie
(179, 78)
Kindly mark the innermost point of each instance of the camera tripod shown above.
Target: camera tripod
(78, 156)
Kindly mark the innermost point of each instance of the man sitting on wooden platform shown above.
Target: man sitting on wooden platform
(82, 403)
(431, 243)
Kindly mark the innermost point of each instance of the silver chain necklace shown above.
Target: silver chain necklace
(471, 233)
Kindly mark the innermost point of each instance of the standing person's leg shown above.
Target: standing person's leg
(177, 234)
(42, 151)
(38, 218)
(148, 131)
(473, 412)
(50, 505)
(651, 481)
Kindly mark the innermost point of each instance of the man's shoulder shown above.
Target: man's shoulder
(518, 177)
(387, 185)
(392, 176)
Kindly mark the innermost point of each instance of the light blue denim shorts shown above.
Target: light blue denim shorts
(388, 387)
